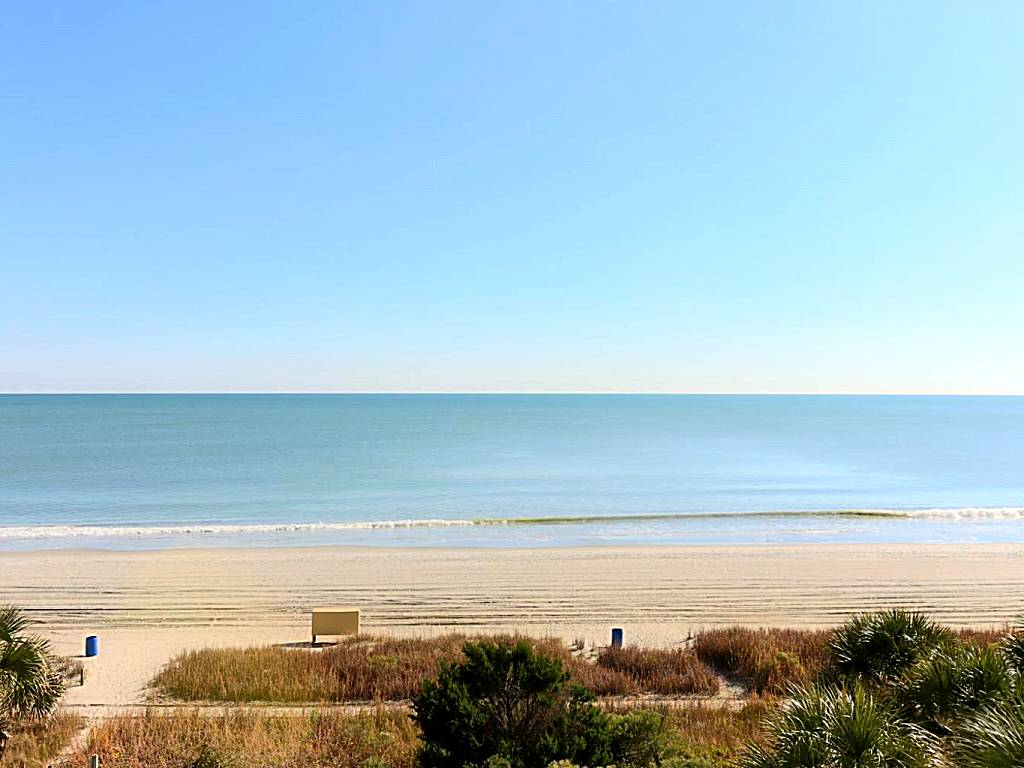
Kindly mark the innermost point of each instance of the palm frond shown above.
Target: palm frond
(994, 738)
(878, 647)
(13, 622)
(844, 728)
(954, 681)
(31, 682)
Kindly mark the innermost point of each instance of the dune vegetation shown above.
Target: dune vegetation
(885, 689)
(390, 669)
(709, 734)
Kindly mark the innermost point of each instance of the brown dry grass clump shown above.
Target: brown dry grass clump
(981, 638)
(725, 728)
(380, 739)
(247, 739)
(363, 669)
(34, 744)
(769, 660)
(661, 671)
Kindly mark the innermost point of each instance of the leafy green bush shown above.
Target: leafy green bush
(879, 647)
(642, 738)
(509, 701)
(841, 728)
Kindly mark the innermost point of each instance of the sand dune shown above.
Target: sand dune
(147, 605)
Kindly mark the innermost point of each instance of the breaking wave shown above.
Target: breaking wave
(36, 532)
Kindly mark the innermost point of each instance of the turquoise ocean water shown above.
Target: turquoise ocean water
(144, 471)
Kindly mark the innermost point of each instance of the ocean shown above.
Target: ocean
(156, 471)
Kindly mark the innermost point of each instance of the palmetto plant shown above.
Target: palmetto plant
(31, 683)
(1012, 647)
(879, 647)
(992, 738)
(955, 681)
(834, 727)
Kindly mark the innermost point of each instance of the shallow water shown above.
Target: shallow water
(507, 470)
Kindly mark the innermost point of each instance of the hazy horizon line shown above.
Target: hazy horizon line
(666, 393)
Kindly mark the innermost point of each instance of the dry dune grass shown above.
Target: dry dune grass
(247, 739)
(34, 744)
(661, 671)
(380, 739)
(768, 660)
(721, 728)
(389, 669)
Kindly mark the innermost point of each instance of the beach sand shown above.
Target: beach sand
(147, 606)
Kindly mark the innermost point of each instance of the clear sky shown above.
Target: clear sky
(518, 196)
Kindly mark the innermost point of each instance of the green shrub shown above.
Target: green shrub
(642, 738)
(509, 701)
(879, 647)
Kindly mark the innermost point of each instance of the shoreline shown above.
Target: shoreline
(410, 548)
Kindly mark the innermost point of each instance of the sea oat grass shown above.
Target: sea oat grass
(35, 743)
(652, 670)
(248, 739)
(363, 669)
(768, 660)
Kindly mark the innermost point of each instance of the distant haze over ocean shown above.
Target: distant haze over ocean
(145, 471)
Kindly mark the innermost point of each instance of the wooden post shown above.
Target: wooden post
(94, 761)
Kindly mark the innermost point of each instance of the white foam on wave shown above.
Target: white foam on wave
(194, 529)
(968, 513)
(36, 532)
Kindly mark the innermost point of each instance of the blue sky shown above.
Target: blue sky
(724, 197)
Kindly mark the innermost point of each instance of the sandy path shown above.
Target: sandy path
(148, 605)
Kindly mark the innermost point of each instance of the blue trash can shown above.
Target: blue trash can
(617, 637)
(92, 645)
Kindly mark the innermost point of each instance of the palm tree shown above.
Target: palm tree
(31, 683)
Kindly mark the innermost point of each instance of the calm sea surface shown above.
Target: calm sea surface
(134, 471)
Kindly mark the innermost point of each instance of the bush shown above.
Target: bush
(509, 701)
(879, 647)
(642, 738)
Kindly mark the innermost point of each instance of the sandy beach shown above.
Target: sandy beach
(146, 606)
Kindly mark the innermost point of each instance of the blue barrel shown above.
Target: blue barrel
(617, 637)
(92, 645)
